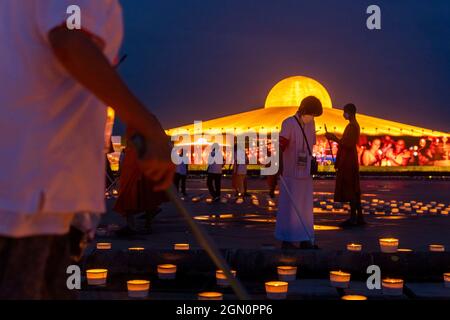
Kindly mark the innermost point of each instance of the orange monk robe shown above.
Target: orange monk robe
(347, 165)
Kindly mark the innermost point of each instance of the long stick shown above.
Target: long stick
(207, 243)
(200, 235)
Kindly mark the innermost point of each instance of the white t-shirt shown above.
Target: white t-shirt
(51, 128)
(291, 131)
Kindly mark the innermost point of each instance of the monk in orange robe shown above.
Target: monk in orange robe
(347, 168)
(136, 193)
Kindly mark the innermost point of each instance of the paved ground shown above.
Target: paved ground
(251, 226)
(246, 231)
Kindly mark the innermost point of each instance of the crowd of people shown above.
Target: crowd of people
(386, 151)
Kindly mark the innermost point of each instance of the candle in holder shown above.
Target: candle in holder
(210, 296)
(354, 298)
(114, 160)
(104, 246)
(276, 290)
(96, 277)
(181, 246)
(287, 273)
(436, 248)
(167, 271)
(221, 278)
(339, 279)
(354, 247)
(389, 245)
(138, 288)
(196, 199)
(447, 280)
(393, 287)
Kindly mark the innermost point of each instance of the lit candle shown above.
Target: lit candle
(255, 202)
(405, 250)
(136, 249)
(209, 200)
(393, 287)
(104, 245)
(395, 210)
(354, 247)
(339, 279)
(354, 298)
(138, 288)
(287, 273)
(167, 271)
(97, 277)
(181, 246)
(447, 280)
(436, 248)
(276, 290)
(329, 207)
(271, 203)
(195, 199)
(210, 296)
(433, 210)
(221, 278)
(389, 245)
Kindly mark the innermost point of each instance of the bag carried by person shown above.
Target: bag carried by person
(314, 163)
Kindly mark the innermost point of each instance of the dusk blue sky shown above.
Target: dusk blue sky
(202, 59)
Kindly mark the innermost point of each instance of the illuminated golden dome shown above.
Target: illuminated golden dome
(291, 91)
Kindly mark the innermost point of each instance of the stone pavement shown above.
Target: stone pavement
(245, 234)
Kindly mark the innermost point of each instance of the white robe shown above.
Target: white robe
(289, 227)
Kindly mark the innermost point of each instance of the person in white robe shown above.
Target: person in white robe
(295, 221)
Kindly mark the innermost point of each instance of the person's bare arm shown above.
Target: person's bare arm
(85, 61)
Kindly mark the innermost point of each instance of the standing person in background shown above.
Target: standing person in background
(56, 84)
(181, 176)
(347, 168)
(214, 173)
(272, 180)
(295, 219)
(239, 171)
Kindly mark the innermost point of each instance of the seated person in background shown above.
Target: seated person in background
(371, 157)
(399, 155)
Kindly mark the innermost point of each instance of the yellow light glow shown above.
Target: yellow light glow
(291, 91)
(210, 296)
(354, 298)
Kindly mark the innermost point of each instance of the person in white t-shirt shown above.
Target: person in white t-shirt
(239, 171)
(56, 84)
(295, 220)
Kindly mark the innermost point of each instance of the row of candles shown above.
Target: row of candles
(377, 206)
(275, 290)
(387, 245)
